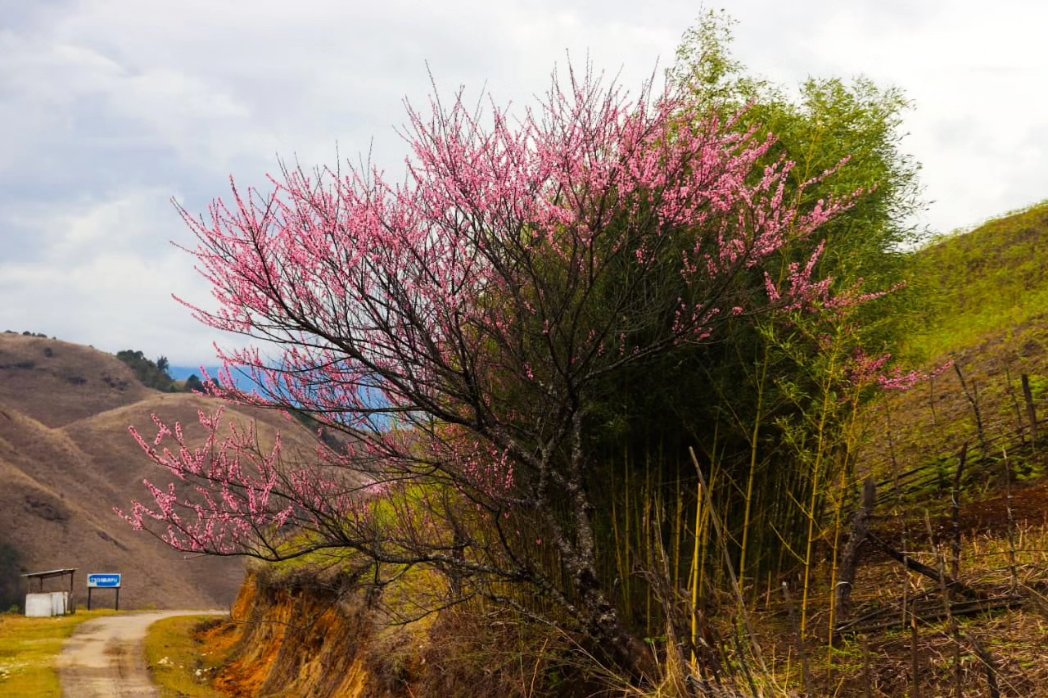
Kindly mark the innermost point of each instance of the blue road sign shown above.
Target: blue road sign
(103, 581)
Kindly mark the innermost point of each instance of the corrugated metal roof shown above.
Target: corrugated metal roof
(50, 573)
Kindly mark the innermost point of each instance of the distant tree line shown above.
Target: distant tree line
(27, 333)
(152, 374)
(155, 374)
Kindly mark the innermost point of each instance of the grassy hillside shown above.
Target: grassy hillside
(976, 285)
(983, 304)
(57, 382)
(66, 461)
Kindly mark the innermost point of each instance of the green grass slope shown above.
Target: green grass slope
(983, 283)
(980, 300)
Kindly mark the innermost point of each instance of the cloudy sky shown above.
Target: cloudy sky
(111, 108)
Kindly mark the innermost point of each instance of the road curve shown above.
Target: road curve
(105, 657)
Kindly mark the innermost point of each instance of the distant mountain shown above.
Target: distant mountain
(181, 373)
(66, 460)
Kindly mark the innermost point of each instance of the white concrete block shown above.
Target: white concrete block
(38, 605)
(59, 603)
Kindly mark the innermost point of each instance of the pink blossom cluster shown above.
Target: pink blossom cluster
(227, 492)
(233, 499)
(517, 262)
(899, 379)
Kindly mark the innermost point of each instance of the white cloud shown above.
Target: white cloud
(110, 107)
(99, 277)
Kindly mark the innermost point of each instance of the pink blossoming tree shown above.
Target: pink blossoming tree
(458, 327)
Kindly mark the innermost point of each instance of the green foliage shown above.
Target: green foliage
(766, 403)
(851, 128)
(173, 654)
(982, 282)
(1039, 388)
(151, 374)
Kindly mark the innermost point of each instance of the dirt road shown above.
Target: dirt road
(105, 657)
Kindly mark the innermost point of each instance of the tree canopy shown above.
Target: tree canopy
(152, 374)
(537, 294)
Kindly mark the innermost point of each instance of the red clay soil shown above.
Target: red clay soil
(1028, 505)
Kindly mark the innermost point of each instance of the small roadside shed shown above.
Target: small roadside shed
(49, 603)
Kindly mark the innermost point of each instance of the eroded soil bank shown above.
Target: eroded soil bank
(319, 634)
(296, 639)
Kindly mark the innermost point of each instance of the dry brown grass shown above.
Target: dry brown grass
(879, 663)
(66, 461)
(56, 382)
(302, 633)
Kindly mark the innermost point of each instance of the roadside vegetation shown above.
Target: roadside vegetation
(180, 663)
(29, 648)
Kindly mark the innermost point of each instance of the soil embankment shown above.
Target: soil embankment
(294, 640)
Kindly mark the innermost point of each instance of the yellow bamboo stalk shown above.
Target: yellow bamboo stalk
(694, 575)
(753, 467)
(820, 450)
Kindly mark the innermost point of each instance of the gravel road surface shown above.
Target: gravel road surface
(105, 657)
